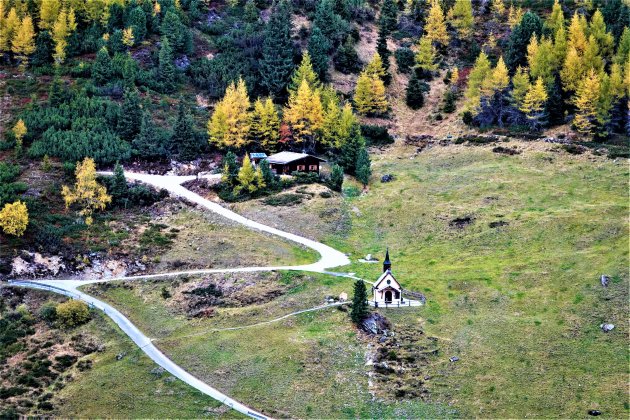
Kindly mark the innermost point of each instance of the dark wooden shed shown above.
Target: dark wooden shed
(284, 163)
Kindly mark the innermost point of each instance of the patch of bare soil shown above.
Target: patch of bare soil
(400, 359)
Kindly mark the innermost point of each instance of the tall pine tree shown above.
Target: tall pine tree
(276, 64)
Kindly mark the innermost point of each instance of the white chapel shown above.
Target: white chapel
(387, 290)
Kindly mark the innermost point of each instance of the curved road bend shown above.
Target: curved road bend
(330, 257)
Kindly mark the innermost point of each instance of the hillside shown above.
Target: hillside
(485, 142)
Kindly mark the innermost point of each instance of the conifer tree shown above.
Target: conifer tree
(19, 131)
(498, 8)
(520, 86)
(346, 58)
(481, 70)
(363, 170)
(265, 125)
(573, 70)
(337, 124)
(604, 39)
(515, 14)
(166, 69)
(498, 79)
(560, 47)
(118, 187)
(369, 94)
(130, 116)
(318, 48)
(336, 177)
(304, 72)
(585, 100)
(414, 94)
(577, 34)
(249, 179)
(43, 49)
(230, 123)
(592, 56)
(276, 64)
(349, 150)
(461, 17)
(14, 218)
(61, 31)
(87, 193)
(304, 114)
(137, 20)
(360, 307)
(426, 55)
(102, 67)
(541, 59)
(388, 20)
(229, 175)
(516, 51)
(623, 48)
(9, 26)
(184, 138)
(383, 52)
(128, 38)
(555, 21)
(270, 179)
(48, 12)
(23, 42)
(435, 27)
(149, 144)
(534, 102)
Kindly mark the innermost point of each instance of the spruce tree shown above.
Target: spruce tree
(360, 307)
(130, 116)
(346, 58)
(43, 49)
(388, 20)
(269, 178)
(102, 67)
(363, 169)
(149, 144)
(166, 69)
(349, 150)
(414, 97)
(516, 51)
(383, 52)
(184, 138)
(306, 72)
(137, 20)
(118, 187)
(318, 48)
(276, 64)
(57, 92)
(331, 25)
(336, 177)
(230, 169)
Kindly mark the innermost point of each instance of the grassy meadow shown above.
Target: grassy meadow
(514, 294)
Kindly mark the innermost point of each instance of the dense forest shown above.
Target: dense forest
(142, 81)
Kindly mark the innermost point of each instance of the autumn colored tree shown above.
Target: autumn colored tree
(304, 72)
(337, 124)
(533, 105)
(14, 218)
(461, 17)
(541, 59)
(585, 100)
(61, 31)
(249, 179)
(516, 50)
(498, 79)
(19, 131)
(72, 313)
(23, 42)
(520, 86)
(515, 14)
(480, 72)
(369, 94)
(48, 12)
(230, 122)
(9, 25)
(435, 26)
(573, 70)
(555, 21)
(265, 125)
(304, 114)
(375, 67)
(604, 39)
(577, 33)
(128, 37)
(498, 8)
(426, 56)
(87, 193)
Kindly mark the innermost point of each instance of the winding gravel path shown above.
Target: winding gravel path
(330, 257)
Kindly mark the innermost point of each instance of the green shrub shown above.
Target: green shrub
(48, 312)
(288, 199)
(376, 135)
(73, 313)
(405, 59)
(305, 177)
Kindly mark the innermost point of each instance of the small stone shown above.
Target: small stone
(607, 327)
(605, 280)
(387, 178)
(120, 356)
(594, 413)
(454, 359)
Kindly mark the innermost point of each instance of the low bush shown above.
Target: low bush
(73, 313)
(288, 199)
(376, 135)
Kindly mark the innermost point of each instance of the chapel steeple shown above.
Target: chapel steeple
(387, 264)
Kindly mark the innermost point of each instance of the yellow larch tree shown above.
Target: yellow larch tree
(19, 131)
(375, 67)
(304, 72)
(87, 193)
(23, 42)
(229, 124)
(577, 33)
(48, 12)
(369, 95)
(127, 37)
(534, 101)
(597, 29)
(515, 14)
(63, 27)
(461, 17)
(498, 8)
(249, 179)
(435, 26)
(520, 85)
(304, 113)
(14, 218)
(592, 55)
(585, 100)
(9, 26)
(541, 59)
(555, 20)
(498, 79)
(265, 125)
(480, 72)
(573, 70)
(426, 55)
